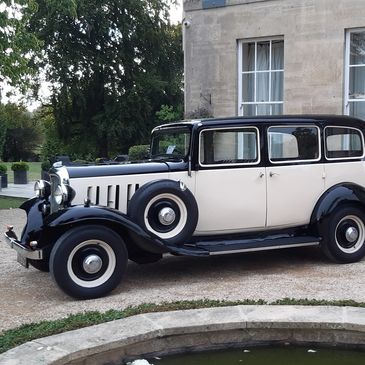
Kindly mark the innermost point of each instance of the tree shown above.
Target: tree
(113, 63)
(16, 42)
(20, 135)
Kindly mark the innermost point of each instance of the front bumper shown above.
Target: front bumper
(25, 252)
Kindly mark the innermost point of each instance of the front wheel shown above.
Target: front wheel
(88, 261)
(344, 235)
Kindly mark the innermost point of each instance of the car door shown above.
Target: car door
(230, 183)
(295, 175)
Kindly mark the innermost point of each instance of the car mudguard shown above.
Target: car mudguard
(82, 214)
(337, 195)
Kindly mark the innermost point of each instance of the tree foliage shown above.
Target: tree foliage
(19, 133)
(113, 63)
(16, 42)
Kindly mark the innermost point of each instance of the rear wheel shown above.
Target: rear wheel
(88, 261)
(344, 235)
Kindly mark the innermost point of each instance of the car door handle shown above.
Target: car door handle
(273, 173)
(261, 175)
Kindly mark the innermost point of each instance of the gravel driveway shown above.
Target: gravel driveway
(30, 295)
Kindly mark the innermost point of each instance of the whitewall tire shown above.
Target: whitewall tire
(343, 236)
(88, 261)
(165, 208)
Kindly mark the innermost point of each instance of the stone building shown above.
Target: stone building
(254, 57)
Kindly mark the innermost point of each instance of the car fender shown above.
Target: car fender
(337, 195)
(80, 214)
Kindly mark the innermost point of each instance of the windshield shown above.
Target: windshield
(170, 143)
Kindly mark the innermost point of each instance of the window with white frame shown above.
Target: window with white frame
(261, 77)
(355, 73)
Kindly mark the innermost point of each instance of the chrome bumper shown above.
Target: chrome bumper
(11, 240)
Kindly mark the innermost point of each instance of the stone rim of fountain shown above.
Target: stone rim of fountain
(159, 334)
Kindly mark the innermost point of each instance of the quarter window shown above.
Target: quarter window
(343, 143)
(229, 146)
(294, 144)
(261, 77)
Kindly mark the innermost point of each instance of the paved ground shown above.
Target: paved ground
(30, 295)
(19, 190)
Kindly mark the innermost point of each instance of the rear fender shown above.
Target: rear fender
(338, 195)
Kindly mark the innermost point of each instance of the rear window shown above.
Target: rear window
(342, 143)
(291, 143)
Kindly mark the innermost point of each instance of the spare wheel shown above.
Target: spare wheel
(165, 208)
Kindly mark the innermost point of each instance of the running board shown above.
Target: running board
(222, 247)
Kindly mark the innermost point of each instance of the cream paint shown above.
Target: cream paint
(230, 200)
(340, 172)
(82, 185)
(293, 192)
(109, 183)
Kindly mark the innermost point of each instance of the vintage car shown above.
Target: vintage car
(209, 187)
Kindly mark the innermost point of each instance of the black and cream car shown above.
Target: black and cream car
(210, 187)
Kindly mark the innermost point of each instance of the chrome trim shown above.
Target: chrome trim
(166, 216)
(264, 248)
(23, 251)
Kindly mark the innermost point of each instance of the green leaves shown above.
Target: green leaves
(17, 43)
(113, 63)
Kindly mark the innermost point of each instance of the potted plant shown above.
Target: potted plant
(4, 176)
(20, 172)
(45, 166)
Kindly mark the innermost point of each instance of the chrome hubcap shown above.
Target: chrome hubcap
(166, 216)
(92, 264)
(351, 234)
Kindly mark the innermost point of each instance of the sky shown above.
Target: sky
(175, 17)
(176, 12)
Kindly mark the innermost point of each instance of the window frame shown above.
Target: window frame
(291, 161)
(343, 158)
(347, 100)
(258, 147)
(240, 102)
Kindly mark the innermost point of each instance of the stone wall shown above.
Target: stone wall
(314, 42)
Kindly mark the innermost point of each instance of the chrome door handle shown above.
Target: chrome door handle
(273, 173)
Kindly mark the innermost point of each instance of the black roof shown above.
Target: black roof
(342, 120)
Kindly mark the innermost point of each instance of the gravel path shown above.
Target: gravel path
(30, 295)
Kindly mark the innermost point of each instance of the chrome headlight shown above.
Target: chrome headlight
(41, 188)
(60, 194)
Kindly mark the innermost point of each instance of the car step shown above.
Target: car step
(219, 247)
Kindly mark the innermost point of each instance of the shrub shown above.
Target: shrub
(3, 169)
(20, 166)
(80, 162)
(138, 152)
(45, 165)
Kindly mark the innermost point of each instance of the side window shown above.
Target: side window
(229, 146)
(289, 143)
(343, 142)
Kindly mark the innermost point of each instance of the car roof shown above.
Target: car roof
(342, 120)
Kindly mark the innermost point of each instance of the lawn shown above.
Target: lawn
(7, 202)
(34, 172)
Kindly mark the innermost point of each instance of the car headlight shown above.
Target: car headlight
(60, 194)
(42, 188)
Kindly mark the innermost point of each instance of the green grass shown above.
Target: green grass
(10, 202)
(34, 172)
(27, 332)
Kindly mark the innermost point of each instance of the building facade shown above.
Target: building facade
(259, 57)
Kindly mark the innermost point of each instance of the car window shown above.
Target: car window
(293, 143)
(342, 142)
(229, 146)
